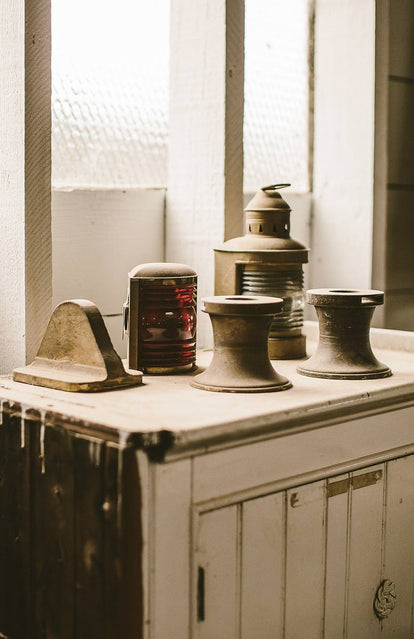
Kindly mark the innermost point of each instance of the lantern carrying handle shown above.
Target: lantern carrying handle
(274, 187)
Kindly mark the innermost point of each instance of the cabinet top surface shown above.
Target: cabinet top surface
(192, 417)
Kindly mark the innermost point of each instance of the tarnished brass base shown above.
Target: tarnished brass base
(382, 372)
(171, 370)
(76, 353)
(240, 361)
(344, 350)
(287, 347)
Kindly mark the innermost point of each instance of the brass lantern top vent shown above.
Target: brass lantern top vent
(267, 225)
(269, 198)
(164, 272)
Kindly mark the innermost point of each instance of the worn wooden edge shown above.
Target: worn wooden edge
(272, 426)
(79, 427)
(164, 445)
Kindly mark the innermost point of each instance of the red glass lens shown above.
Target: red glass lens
(167, 326)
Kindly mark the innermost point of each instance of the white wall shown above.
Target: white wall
(98, 237)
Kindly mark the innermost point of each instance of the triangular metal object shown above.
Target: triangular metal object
(76, 353)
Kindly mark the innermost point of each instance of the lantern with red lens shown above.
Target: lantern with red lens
(160, 318)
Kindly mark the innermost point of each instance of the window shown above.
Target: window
(110, 93)
(276, 107)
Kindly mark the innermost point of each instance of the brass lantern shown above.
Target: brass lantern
(267, 261)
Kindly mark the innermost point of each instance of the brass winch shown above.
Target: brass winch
(240, 356)
(267, 261)
(344, 350)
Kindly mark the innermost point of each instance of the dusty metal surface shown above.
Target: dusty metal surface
(344, 350)
(240, 359)
(76, 353)
(267, 261)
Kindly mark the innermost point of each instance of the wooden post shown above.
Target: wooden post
(38, 124)
(25, 126)
(343, 144)
(205, 186)
(393, 257)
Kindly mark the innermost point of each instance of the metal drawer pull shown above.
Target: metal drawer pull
(384, 602)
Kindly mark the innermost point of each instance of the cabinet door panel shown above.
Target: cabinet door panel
(217, 615)
(305, 561)
(365, 546)
(336, 555)
(399, 546)
(262, 573)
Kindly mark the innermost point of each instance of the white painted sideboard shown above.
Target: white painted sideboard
(275, 515)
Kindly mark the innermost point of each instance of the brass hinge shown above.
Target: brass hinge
(358, 481)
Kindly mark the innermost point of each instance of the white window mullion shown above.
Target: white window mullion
(205, 194)
(25, 258)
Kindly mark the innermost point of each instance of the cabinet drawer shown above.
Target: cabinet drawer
(325, 451)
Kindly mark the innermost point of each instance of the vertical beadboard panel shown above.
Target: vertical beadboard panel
(169, 536)
(15, 530)
(365, 547)
(217, 556)
(305, 569)
(336, 555)
(262, 568)
(89, 537)
(399, 541)
(114, 623)
(53, 532)
(204, 197)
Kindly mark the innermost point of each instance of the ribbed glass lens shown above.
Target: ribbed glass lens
(167, 325)
(287, 284)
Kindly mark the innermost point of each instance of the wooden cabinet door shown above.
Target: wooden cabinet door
(253, 570)
(217, 575)
(353, 553)
(308, 562)
(398, 553)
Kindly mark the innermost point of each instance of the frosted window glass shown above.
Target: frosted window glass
(110, 92)
(276, 134)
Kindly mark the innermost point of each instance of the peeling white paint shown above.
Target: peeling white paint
(123, 438)
(42, 448)
(22, 427)
(119, 504)
(95, 453)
